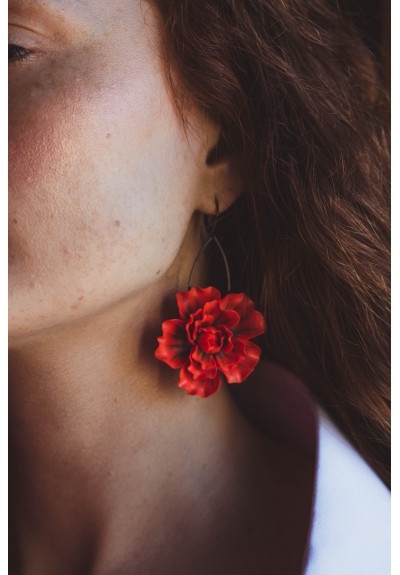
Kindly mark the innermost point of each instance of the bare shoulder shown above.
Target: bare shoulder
(291, 509)
(321, 474)
(279, 406)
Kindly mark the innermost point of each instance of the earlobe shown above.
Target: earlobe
(225, 177)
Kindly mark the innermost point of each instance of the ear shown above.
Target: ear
(223, 179)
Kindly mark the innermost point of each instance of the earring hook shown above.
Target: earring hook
(212, 238)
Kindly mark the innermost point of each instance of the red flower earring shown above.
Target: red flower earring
(210, 343)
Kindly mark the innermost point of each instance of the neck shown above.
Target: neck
(101, 437)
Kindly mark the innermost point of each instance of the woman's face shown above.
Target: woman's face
(103, 180)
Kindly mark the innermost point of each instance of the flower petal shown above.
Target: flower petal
(233, 356)
(173, 348)
(228, 345)
(252, 322)
(201, 387)
(192, 323)
(194, 299)
(204, 361)
(229, 318)
(237, 366)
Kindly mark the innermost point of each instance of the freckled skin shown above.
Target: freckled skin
(103, 180)
(110, 459)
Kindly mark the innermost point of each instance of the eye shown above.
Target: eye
(17, 53)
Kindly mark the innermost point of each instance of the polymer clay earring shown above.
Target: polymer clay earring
(210, 341)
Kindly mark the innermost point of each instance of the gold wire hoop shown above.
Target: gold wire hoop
(212, 238)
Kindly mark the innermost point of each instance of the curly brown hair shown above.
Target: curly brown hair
(297, 98)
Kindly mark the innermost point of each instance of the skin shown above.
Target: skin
(109, 460)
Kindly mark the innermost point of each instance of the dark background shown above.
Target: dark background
(372, 17)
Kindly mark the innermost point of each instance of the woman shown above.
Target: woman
(132, 125)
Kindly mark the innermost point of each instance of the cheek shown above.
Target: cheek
(100, 189)
(52, 205)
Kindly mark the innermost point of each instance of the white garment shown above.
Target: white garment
(350, 527)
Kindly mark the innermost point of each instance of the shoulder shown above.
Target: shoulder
(350, 531)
